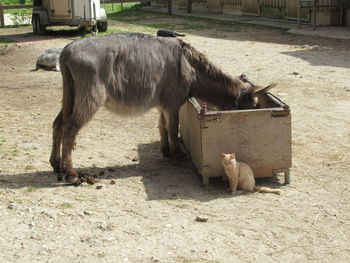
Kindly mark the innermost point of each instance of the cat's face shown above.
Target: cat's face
(228, 159)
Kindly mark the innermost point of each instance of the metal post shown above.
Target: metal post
(189, 6)
(170, 11)
(2, 20)
(299, 13)
(314, 9)
(341, 12)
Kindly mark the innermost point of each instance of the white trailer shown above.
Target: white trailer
(82, 13)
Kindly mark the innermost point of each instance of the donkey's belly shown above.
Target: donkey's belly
(126, 108)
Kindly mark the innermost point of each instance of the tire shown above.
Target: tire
(37, 27)
(41, 28)
(34, 24)
(102, 26)
(82, 28)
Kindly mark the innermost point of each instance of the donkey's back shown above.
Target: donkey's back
(129, 73)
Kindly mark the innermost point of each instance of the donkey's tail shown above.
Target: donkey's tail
(263, 189)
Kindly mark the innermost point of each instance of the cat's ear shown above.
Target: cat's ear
(222, 155)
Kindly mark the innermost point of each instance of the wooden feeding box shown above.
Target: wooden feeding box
(259, 137)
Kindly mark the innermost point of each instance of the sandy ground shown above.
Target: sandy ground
(147, 206)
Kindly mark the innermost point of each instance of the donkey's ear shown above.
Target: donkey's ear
(262, 90)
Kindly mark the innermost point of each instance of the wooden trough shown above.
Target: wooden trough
(259, 137)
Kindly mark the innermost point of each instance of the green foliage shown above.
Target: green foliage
(16, 2)
(115, 8)
(127, 14)
(18, 16)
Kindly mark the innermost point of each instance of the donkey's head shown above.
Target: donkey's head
(249, 99)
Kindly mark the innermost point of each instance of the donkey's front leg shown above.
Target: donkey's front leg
(164, 142)
(173, 130)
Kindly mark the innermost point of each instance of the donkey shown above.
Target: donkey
(131, 73)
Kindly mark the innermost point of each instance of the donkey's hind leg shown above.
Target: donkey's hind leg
(79, 117)
(55, 158)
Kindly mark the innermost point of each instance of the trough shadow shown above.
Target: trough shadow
(163, 179)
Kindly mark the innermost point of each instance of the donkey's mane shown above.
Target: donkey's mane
(218, 87)
(201, 62)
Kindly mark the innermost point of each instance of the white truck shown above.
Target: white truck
(83, 13)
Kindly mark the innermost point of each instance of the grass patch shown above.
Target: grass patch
(114, 8)
(31, 189)
(129, 14)
(2, 140)
(29, 167)
(161, 25)
(108, 32)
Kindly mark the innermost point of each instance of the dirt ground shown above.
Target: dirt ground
(147, 206)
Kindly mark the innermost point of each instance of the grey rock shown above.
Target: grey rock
(49, 59)
(14, 206)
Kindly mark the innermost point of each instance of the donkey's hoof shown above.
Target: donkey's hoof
(179, 155)
(59, 177)
(72, 178)
(165, 152)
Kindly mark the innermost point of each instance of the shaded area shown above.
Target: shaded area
(163, 179)
(209, 27)
(62, 32)
(311, 55)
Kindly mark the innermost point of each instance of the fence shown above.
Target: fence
(121, 2)
(8, 7)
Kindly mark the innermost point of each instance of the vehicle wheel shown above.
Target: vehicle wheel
(82, 28)
(34, 24)
(41, 30)
(102, 26)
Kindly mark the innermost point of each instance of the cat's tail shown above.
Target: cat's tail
(263, 189)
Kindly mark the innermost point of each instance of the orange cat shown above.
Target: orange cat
(241, 176)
